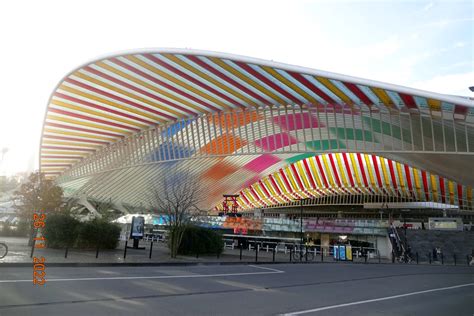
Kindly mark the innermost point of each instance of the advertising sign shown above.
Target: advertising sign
(138, 227)
(336, 252)
(349, 252)
(342, 252)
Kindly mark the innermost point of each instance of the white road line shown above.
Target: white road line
(259, 267)
(377, 299)
(150, 277)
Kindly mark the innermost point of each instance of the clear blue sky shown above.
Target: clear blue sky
(421, 44)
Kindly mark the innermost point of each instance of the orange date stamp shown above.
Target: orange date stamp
(39, 273)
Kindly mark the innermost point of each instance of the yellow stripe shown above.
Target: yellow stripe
(315, 172)
(303, 174)
(97, 113)
(401, 177)
(109, 103)
(66, 152)
(356, 171)
(341, 169)
(328, 84)
(280, 182)
(327, 171)
(46, 161)
(434, 104)
(74, 144)
(247, 80)
(77, 122)
(176, 81)
(369, 169)
(121, 91)
(209, 78)
(48, 169)
(451, 191)
(434, 187)
(469, 195)
(289, 174)
(289, 84)
(70, 133)
(382, 95)
(417, 182)
(153, 88)
(386, 178)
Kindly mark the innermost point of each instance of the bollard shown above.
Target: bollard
(454, 257)
(274, 250)
(240, 252)
(379, 256)
(322, 254)
(151, 250)
(417, 258)
(429, 257)
(65, 254)
(365, 257)
(442, 258)
(197, 254)
(291, 249)
(32, 249)
(306, 254)
(393, 256)
(218, 254)
(256, 253)
(125, 250)
(467, 259)
(97, 252)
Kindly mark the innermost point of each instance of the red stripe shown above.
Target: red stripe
(62, 157)
(116, 98)
(164, 84)
(265, 191)
(442, 189)
(425, 184)
(308, 172)
(297, 177)
(321, 170)
(377, 172)
(392, 173)
(75, 139)
(82, 129)
(92, 119)
(68, 148)
(245, 198)
(355, 89)
(255, 194)
(134, 88)
(334, 170)
(349, 173)
(408, 177)
(259, 76)
(408, 100)
(228, 79)
(193, 80)
(288, 186)
(459, 195)
(275, 185)
(102, 108)
(311, 86)
(56, 165)
(461, 110)
(362, 170)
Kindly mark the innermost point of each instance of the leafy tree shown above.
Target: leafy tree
(37, 194)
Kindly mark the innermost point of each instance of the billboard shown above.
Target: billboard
(138, 227)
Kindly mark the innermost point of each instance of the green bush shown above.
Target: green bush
(198, 240)
(98, 233)
(60, 230)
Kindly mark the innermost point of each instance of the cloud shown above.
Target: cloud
(428, 6)
(454, 84)
(445, 22)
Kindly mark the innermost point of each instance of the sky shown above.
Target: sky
(419, 44)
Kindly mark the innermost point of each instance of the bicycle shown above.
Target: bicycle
(302, 255)
(3, 250)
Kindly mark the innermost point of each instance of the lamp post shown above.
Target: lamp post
(301, 229)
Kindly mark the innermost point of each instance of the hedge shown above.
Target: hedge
(199, 240)
(61, 230)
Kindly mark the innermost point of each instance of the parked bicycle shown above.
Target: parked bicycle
(3, 250)
(303, 254)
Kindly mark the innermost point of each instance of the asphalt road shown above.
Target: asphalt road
(313, 289)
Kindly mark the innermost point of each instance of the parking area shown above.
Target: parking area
(320, 289)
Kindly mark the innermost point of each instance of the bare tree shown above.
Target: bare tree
(178, 201)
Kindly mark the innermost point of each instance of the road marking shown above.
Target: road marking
(265, 268)
(377, 299)
(273, 271)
